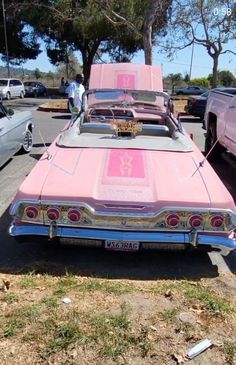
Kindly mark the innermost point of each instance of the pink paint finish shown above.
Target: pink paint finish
(126, 81)
(156, 179)
(126, 75)
(125, 163)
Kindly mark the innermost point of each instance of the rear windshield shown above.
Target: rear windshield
(124, 95)
(3, 82)
(29, 83)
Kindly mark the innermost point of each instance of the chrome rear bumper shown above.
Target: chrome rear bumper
(147, 239)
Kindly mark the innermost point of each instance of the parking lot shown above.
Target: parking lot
(151, 265)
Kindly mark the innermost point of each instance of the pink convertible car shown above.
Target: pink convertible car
(124, 175)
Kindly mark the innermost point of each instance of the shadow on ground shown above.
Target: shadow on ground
(66, 116)
(45, 258)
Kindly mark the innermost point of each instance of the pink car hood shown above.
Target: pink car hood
(126, 76)
(112, 178)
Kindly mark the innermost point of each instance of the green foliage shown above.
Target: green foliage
(21, 41)
(197, 22)
(201, 81)
(186, 78)
(229, 348)
(20, 319)
(90, 26)
(224, 77)
(37, 74)
(175, 78)
(65, 334)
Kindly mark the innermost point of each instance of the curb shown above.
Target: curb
(46, 108)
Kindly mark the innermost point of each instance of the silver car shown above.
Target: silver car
(190, 90)
(15, 133)
(11, 88)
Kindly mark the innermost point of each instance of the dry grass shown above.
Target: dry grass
(179, 104)
(110, 321)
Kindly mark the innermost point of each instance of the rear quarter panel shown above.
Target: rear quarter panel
(217, 106)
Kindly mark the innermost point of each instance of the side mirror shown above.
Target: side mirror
(10, 112)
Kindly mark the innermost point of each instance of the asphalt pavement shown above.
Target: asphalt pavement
(46, 258)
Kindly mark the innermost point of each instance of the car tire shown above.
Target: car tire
(28, 142)
(211, 138)
(22, 95)
(8, 96)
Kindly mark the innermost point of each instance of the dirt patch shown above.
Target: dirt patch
(114, 321)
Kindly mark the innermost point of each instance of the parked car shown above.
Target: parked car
(196, 105)
(35, 88)
(63, 89)
(11, 88)
(15, 133)
(219, 121)
(190, 90)
(124, 175)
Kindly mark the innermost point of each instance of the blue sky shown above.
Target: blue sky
(201, 66)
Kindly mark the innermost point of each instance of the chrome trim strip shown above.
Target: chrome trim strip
(78, 204)
(224, 243)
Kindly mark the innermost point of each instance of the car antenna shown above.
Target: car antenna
(201, 163)
(46, 149)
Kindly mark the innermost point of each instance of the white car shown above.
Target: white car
(15, 133)
(11, 88)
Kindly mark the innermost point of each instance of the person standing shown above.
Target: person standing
(75, 93)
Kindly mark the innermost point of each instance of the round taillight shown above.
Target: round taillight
(172, 220)
(195, 220)
(31, 212)
(53, 214)
(216, 220)
(74, 215)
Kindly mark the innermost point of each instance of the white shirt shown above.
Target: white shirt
(75, 91)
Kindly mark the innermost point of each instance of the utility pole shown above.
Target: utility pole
(191, 62)
(5, 36)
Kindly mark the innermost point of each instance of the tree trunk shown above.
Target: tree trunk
(214, 71)
(147, 45)
(88, 53)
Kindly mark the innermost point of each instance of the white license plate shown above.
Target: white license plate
(116, 245)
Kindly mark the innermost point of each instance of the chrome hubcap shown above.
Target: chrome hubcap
(27, 141)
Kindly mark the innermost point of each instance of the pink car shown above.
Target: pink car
(124, 175)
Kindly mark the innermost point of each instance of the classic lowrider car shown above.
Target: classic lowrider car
(125, 175)
(15, 133)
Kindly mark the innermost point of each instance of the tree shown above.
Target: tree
(37, 73)
(70, 68)
(186, 78)
(209, 23)
(148, 19)
(80, 25)
(201, 81)
(174, 79)
(225, 78)
(21, 41)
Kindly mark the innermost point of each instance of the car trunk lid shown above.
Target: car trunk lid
(108, 179)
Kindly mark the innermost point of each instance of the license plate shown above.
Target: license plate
(116, 245)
